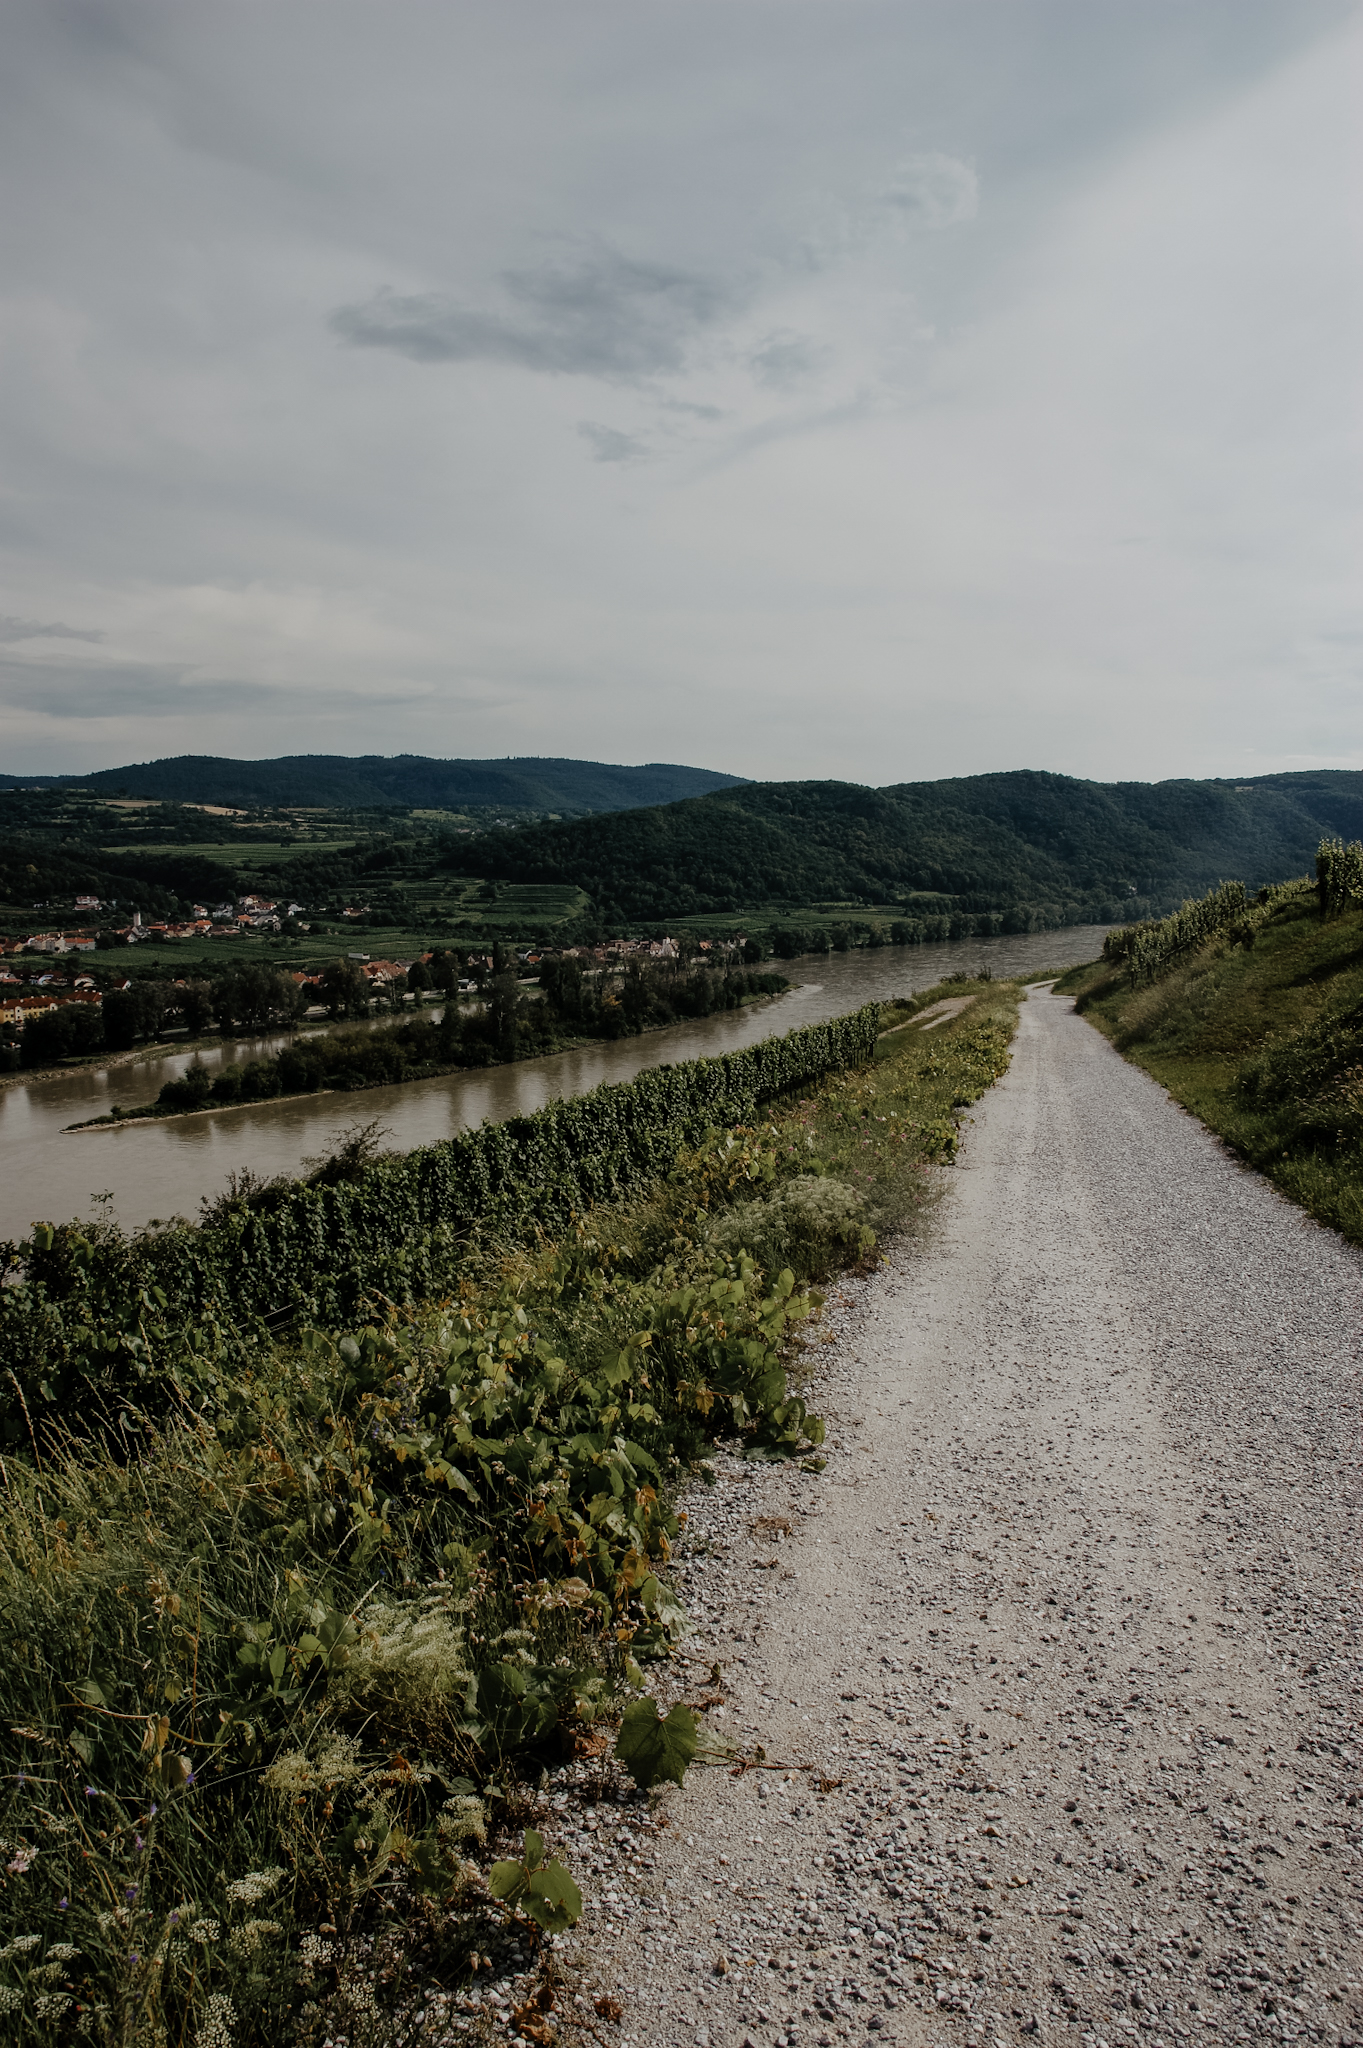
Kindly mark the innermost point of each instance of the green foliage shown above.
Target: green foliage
(654, 1749)
(89, 1313)
(283, 1633)
(1259, 1031)
(540, 1888)
(1029, 849)
(1149, 950)
(1339, 875)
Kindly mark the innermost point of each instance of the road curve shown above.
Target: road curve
(1071, 1616)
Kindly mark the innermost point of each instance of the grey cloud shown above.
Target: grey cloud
(12, 629)
(597, 314)
(123, 689)
(610, 444)
(784, 359)
(922, 195)
(932, 191)
(687, 405)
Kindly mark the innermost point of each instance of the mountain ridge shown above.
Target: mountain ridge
(1081, 848)
(527, 782)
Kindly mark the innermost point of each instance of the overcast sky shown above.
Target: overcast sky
(795, 387)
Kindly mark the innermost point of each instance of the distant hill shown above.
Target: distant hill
(415, 781)
(1071, 848)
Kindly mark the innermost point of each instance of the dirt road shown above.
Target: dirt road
(1071, 1617)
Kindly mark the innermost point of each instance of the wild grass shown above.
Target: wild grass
(1261, 1036)
(277, 1677)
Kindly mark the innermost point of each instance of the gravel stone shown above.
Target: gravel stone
(1059, 1658)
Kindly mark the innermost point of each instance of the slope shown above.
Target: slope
(1259, 1033)
(1075, 848)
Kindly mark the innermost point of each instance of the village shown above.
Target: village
(33, 983)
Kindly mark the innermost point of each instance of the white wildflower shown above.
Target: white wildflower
(178, 1952)
(313, 1951)
(410, 1657)
(297, 1774)
(462, 1819)
(205, 1931)
(62, 1952)
(52, 2004)
(215, 2028)
(255, 1886)
(20, 1946)
(45, 1973)
(11, 1998)
(246, 1940)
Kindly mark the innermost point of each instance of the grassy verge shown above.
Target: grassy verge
(285, 1661)
(1260, 1034)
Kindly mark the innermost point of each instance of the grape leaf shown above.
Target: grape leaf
(552, 1899)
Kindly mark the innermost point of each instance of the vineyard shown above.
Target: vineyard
(295, 1622)
(94, 1311)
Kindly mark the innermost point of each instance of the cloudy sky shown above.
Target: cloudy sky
(797, 387)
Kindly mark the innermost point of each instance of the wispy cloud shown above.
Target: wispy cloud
(78, 690)
(593, 313)
(783, 359)
(611, 444)
(12, 630)
(930, 192)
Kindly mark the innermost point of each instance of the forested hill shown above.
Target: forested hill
(372, 781)
(1070, 848)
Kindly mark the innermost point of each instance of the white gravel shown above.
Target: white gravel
(1072, 1616)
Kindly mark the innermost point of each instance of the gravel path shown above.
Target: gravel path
(1071, 1617)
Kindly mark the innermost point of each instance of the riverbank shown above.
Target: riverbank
(168, 1167)
(181, 1098)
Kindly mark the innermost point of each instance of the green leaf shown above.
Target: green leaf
(534, 1849)
(652, 1749)
(507, 1881)
(552, 1899)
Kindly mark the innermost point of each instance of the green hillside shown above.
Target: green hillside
(1076, 850)
(1251, 1015)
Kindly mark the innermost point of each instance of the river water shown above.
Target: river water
(166, 1168)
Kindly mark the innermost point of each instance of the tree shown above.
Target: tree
(196, 1006)
(563, 986)
(419, 977)
(345, 990)
(503, 1001)
(255, 997)
(133, 1012)
(63, 1033)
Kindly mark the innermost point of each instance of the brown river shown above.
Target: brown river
(165, 1169)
